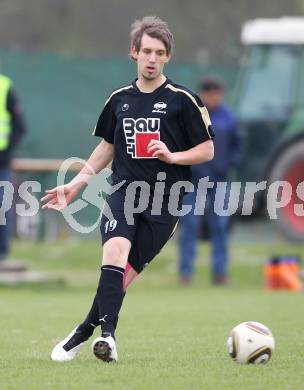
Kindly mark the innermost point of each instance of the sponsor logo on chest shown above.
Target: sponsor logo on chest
(138, 133)
(160, 107)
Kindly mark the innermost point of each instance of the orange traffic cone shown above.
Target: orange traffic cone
(283, 273)
(271, 275)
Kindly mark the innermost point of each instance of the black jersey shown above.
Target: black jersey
(131, 118)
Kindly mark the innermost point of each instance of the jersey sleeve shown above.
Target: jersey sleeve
(196, 120)
(105, 127)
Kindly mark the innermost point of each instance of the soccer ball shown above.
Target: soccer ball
(250, 342)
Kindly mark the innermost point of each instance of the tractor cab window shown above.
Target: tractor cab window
(268, 83)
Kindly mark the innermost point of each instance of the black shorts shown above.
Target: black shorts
(147, 235)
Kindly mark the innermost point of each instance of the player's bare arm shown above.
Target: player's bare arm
(198, 154)
(59, 197)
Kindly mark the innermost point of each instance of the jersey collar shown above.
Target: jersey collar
(167, 81)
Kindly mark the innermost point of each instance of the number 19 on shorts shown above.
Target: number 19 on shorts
(110, 225)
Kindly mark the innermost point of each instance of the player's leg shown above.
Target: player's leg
(110, 295)
(150, 236)
(129, 276)
(110, 290)
(149, 239)
(116, 227)
(117, 236)
(68, 348)
(92, 319)
(88, 326)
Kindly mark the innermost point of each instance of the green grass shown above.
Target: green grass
(169, 337)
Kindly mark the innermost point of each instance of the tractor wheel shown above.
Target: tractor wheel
(289, 166)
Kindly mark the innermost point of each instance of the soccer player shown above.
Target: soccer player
(153, 130)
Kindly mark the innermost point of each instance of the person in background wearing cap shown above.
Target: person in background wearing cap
(228, 147)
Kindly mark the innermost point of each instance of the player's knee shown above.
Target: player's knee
(112, 252)
(115, 252)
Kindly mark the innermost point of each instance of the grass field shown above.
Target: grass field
(169, 337)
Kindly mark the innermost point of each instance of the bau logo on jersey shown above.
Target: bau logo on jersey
(139, 132)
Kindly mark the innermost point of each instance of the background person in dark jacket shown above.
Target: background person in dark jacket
(12, 128)
(227, 145)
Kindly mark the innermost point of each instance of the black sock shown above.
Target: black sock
(117, 318)
(92, 320)
(110, 295)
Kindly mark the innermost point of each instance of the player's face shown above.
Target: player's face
(151, 58)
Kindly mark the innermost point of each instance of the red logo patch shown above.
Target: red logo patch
(141, 143)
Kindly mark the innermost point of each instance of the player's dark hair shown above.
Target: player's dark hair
(155, 28)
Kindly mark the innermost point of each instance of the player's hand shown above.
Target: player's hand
(59, 197)
(160, 150)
